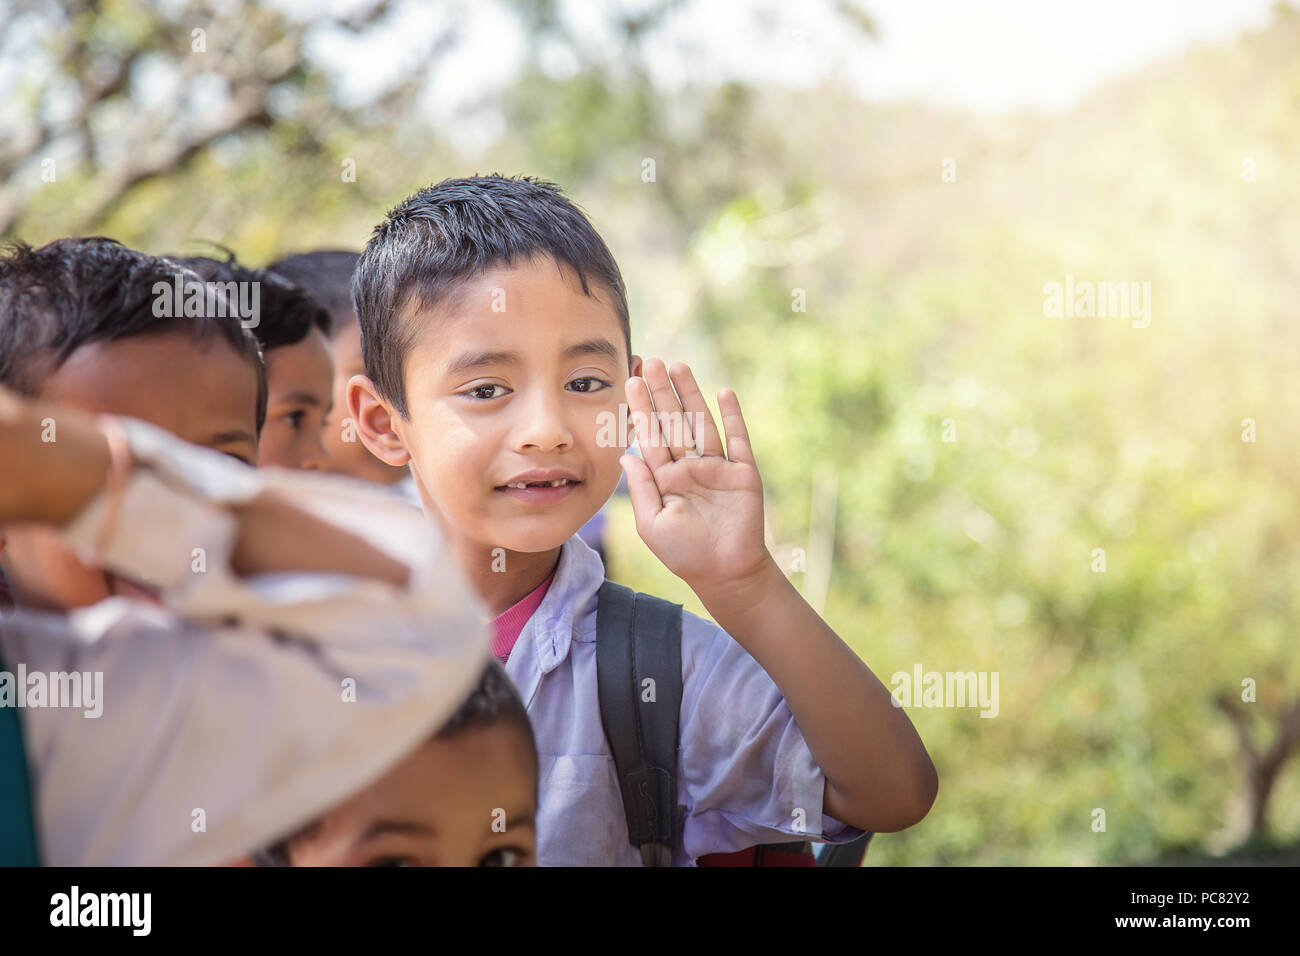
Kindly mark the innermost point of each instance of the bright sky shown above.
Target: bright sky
(984, 55)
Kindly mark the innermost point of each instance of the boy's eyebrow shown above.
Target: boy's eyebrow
(230, 438)
(472, 360)
(301, 398)
(593, 347)
(521, 820)
(380, 827)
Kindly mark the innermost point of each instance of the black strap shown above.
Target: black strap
(845, 854)
(639, 680)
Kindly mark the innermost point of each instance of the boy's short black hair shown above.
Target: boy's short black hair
(326, 274)
(286, 311)
(445, 234)
(493, 699)
(78, 291)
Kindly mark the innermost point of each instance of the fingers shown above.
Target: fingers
(641, 488)
(668, 409)
(733, 424)
(646, 424)
(699, 420)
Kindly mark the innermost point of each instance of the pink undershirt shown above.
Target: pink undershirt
(506, 627)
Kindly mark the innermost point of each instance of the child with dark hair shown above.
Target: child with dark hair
(324, 637)
(327, 274)
(497, 350)
(467, 796)
(90, 324)
(293, 328)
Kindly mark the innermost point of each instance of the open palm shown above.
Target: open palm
(698, 506)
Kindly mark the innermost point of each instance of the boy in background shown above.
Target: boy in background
(497, 353)
(293, 330)
(89, 324)
(327, 275)
(324, 638)
(434, 808)
(302, 636)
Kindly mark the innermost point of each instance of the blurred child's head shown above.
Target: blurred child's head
(327, 274)
(496, 343)
(293, 328)
(467, 796)
(90, 324)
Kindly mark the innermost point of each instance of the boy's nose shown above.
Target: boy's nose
(317, 458)
(542, 426)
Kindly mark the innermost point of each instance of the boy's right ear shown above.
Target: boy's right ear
(374, 422)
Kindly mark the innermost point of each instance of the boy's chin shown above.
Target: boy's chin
(546, 536)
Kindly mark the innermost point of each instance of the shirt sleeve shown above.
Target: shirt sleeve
(748, 775)
(245, 707)
(176, 532)
(195, 746)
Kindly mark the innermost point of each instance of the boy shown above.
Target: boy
(496, 343)
(327, 275)
(250, 703)
(293, 330)
(434, 808)
(260, 696)
(91, 324)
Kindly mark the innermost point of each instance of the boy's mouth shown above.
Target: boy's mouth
(540, 486)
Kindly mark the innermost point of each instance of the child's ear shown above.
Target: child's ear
(374, 422)
(636, 366)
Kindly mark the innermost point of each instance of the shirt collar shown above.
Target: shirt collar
(563, 615)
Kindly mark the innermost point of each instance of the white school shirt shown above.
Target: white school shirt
(745, 775)
(224, 722)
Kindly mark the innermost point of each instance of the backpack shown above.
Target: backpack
(17, 830)
(639, 647)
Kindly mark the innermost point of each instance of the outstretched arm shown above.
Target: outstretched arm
(51, 482)
(699, 507)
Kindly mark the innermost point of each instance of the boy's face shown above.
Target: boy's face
(300, 383)
(347, 454)
(203, 392)
(467, 800)
(516, 378)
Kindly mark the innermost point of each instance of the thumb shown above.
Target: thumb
(641, 488)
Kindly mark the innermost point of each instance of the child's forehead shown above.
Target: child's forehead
(194, 389)
(536, 307)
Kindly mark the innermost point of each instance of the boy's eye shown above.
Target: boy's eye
(503, 856)
(589, 384)
(294, 419)
(392, 861)
(484, 392)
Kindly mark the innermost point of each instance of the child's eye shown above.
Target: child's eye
(590, 384)
(503, 856)
(484, 392)
(294, 419)
(391, 861)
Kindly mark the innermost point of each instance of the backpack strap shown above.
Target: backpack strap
(639, 681)
(845, 854)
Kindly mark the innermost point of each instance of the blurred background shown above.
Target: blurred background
(852, 212)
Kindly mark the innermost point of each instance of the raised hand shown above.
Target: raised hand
(698, 506)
